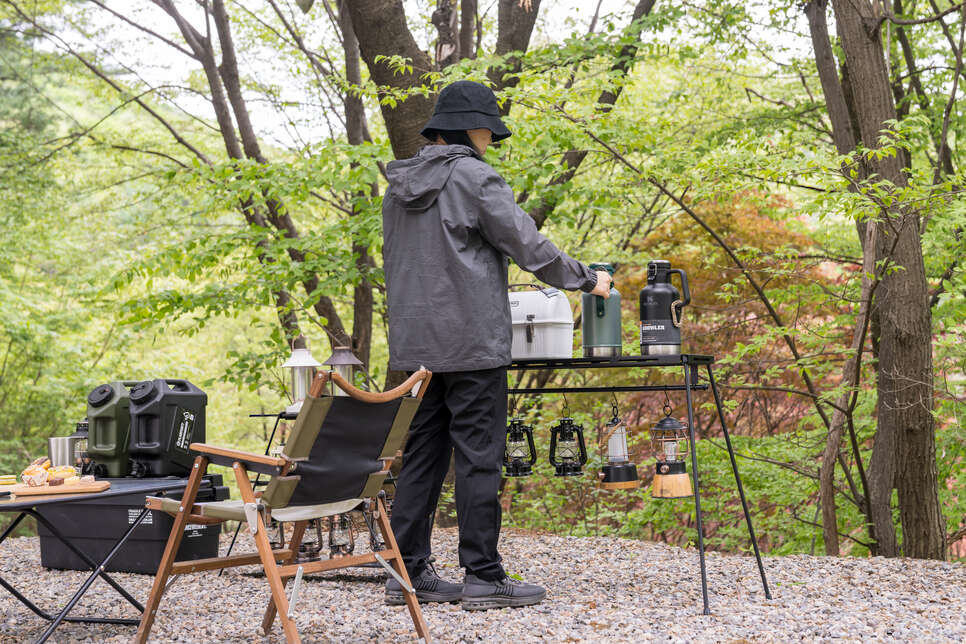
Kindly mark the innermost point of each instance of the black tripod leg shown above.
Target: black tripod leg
(741, 491)
(697, 493)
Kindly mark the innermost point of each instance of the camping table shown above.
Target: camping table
(32, 506)
(690, 365)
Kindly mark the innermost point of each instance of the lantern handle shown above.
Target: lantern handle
(607, 433)
(580, 443)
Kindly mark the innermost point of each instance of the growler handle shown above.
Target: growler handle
(600, 305)
(685, 291)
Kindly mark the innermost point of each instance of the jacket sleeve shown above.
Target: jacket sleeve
(512, 231)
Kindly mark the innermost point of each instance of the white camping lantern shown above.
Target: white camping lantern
(303, 367)
(543, 324)
(618, 473)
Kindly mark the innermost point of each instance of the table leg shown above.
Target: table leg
(98, 572)
(90, 562)
(697, 493)
(39, 611)
(741, 491)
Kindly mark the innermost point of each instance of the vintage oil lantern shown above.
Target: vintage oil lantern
(618, 473)
(341, 537)
(670, 439)
(568, 454)
(303, 367)
(519, 455)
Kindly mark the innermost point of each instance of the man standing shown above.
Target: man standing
(449, 224)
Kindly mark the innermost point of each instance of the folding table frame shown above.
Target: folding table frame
(27, 506)
(690, 364)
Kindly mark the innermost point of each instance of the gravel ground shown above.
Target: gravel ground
(600, 590)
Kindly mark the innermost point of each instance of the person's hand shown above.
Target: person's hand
(603, 284)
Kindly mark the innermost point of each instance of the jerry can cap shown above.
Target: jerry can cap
(100, 396)
(142, 390)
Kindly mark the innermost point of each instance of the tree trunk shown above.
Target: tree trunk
(445, 19)
(356, 133)
(515, 22)
(844, 134)
(387, 34)
(905, 378)
(468, 29)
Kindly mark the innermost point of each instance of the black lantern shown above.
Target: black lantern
(309, 550)
(519, 455)
(568, 454)
(618, 473)
(341, 538)
(670, 438)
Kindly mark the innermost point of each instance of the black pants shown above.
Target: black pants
(462, 413)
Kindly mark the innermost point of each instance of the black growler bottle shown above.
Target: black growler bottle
(661, 306)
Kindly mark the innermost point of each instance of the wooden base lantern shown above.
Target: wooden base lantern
(670, 438)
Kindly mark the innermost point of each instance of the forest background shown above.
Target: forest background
(186, 187)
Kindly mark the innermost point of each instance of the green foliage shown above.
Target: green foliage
(124, 255)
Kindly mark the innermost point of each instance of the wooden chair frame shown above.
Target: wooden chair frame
(279, 564)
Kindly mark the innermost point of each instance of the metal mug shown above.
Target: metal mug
(60, 450)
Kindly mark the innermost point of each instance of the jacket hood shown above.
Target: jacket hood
(417, 182)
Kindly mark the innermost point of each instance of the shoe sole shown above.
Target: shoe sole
(488, 603)
(424, 597)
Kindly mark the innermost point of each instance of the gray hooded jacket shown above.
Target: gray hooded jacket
(449, 223)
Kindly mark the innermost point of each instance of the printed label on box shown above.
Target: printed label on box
(132, 516)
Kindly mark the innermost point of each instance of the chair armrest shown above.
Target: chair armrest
(260, 463)
(423, 376)
(238, 455)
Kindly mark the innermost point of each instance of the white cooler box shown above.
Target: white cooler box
(543, 323)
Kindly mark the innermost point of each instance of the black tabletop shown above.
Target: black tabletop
(625, 362)
(118, 487)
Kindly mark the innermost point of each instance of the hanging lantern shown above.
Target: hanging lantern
(341, 539)
(303, 367)
(618, 473)
(519, 455)
(568, 454)
(343, 362)
(670, 439)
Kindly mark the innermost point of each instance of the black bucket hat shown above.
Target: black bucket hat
(465, 105)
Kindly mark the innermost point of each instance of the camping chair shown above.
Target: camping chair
(335, 460)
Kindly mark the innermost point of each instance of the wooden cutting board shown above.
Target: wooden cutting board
(25, 490)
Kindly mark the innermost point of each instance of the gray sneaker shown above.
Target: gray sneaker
(507, 592)
(429, 588)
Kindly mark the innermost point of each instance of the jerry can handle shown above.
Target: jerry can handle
(179, 383)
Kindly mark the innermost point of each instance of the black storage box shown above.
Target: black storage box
(95, 526)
